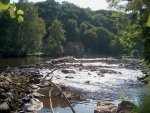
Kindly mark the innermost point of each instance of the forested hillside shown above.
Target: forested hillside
(54, 29)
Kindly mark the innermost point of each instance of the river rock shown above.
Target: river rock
(145, 81)
(125, 107)
(38, 95)
(67, 95)
(36, 105)
(65, 71)
(87, 82)
(70, 77)
(105, 107)
(4, 108)
(142, 78)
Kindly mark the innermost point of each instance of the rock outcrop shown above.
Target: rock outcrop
(125, 107)
(105, 107)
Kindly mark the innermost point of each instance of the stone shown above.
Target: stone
(36, 105)
(142, 78)
(4, 108)
(145, 81)
(65, 71)
(67, 95)
(38, 95)
(125, 107)
(105, 107)
(87, 82)
(69, 77)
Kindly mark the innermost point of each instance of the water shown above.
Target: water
(109, 86)
(88, 78)
(15, 62)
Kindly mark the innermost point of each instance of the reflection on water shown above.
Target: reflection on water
(15, 62)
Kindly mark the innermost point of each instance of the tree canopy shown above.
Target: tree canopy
(47, 27)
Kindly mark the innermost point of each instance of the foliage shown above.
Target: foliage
(140, 12)
(122, 95)
(144, 105)
(135, 54)
(18, 39)
(126, 52)
(5, 5)
(55, 39)
(116, 47)
(48, 26)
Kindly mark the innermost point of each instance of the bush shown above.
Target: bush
(126, 52)
(144, 106)
(135, 53)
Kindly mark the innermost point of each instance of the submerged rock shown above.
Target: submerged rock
(105, 107)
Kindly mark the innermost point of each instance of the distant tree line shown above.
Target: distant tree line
(48, 27)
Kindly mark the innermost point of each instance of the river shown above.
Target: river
(15, 62)
(98, 79)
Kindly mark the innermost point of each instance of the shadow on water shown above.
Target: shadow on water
(16, 62)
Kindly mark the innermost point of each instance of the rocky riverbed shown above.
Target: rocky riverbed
(21, 88)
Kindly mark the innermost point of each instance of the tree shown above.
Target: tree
(55, 40)
(89, 38)
(19, 39)
(116, 47)
(104, 38)
(140, 11)
(32, 30)
(5, 5)
(72, 29)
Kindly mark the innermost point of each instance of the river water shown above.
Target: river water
(15, 62)
(100, 78)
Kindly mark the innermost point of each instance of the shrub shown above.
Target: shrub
(144, 106)
(126, 52)
(135, 53)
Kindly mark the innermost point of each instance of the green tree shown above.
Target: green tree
(104, 38)
(89, 39)
(116, 47)
(32, 30)
(140, 10)
(54, 42)
(72, 29)
(19, 39)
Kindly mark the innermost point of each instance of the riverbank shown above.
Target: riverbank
(82, 79)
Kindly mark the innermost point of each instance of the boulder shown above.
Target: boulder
(4, 108)
(38, 95)
(87, 82)
(142, 78)
(65, 71)
(105, 107)
(125, 107)
(67, 95)
(70, 77)
(36, 105)
(145, 81)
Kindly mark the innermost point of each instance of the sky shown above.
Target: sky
(93, 4)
